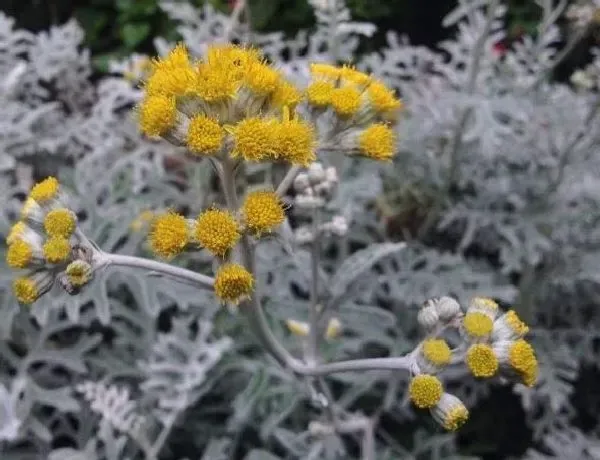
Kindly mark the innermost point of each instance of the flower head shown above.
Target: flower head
(509, 327)
(345, 101)
(262, 211)
(295, 141)
(233, 283)
(320, 93)
(425, 391)
(45, 190)
(217, 231)
(157, 115)
(450, 412)
(25, 290)
(286, 95)
(298, 328)
(481, 360)
(437, 352)
(15, 232)
(60, 222)
(377, 142)
(169, 235)
(382, 98)
(518, 358)
(253, 139)
(205, 135)
(57, 249)
(19, 254)
(261, 79)
(477, 325)
(79, 273)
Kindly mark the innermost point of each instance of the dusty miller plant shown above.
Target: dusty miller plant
(304, 316)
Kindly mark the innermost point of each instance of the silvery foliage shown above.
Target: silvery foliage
(137, 347)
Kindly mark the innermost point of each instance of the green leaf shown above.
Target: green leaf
(134, 34)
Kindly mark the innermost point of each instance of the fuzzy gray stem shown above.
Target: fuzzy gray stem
(314, 331)
(287, 181)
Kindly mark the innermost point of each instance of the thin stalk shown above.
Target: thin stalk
(315, 253)
(287, 181)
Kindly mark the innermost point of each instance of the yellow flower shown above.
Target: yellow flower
(286, 95)
(345, 101)
(320, 93)
(382, 98)
(233, 283)
(177, 57)
(169, 235)
(30, 207)
(157, 115)
(217, 82)
(477, 324)
(25, 290)
(509, 327)
(173, 75)
(295, 141)
(204, 136)
(325, 70)
(378, 141)
(45, 190)
(450, 412)
(481, 360)
(354, 76)
(57, 249)
(19, 254)
(262, 212)
(522, 358)
(79, 273)
(425, 391)
(437, 352)
(261, 79)
(217, 231)
(334, 328)
(15, 232)
(60, 222)
(253, 139)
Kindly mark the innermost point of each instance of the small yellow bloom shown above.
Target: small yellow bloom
(29, 208)
(450, 412)
(481, 360)
(354, 76)
(382, 98)
(253, 139)
(169, 234)
(60, 222)
(204, 136)
(437, 352)
(15, 232)
(522, 358)
(57, 249)
(334, 328)
(177, 57)
(157, 115)
(45, 190)
(217, 231)
(25, 290)
(477, 325)
(262, 212)
(513, 320)
(233, 283)
(345, 101)
(79, 273)
(216, 82)
(325, 70)
(286, 95)
(19, 254)
(295, 141)
(298, 328)
(261, 79)
(425, 391)
(171, 82)
(378, 141)
(320, 93)
(509, 327)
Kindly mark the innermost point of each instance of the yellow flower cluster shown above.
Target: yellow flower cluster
(427, 392)
(231, 98)
(41, 243)
(498, 347)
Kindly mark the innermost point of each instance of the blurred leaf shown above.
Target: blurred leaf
(134, 34)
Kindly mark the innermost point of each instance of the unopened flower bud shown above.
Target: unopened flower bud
(299, 328)
(333, 328)
(447, 308)
(301, 182)
(428, 317)
(316, 173)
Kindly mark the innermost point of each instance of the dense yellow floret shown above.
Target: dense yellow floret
(295, 141)
(79, 273)
(45, 190)
(19, 254)
(286, 95)
(25, 290)
(425, 391)
(320, 93)
(522, 358)
(16, 231)
(169, 235)
(345, 101)
(262, 212)
(60, 222)
(382, 98)
(233, 283)
(157, 115)
(217, 231)
(437, 352)
(455, 418)
(513, 321)
(253, 139)
(378, 141)
(261, 79)
(481, 360)
(204, 136)
(477, 324)
(56, 249)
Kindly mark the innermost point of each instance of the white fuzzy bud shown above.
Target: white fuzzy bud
(316, 173)
(428, 317)
(301, 182)
(447, 308)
